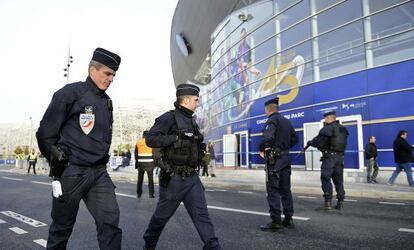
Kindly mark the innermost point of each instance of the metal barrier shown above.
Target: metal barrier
(294, 155)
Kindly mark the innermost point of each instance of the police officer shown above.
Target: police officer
(178, 136)
(144, 161)
(278, 137)
(331, 141)
(75, 136)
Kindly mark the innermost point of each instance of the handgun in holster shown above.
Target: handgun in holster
(166, 170)
(58, 161)
(324, 155)
(272, 155)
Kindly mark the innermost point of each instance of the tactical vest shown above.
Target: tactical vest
(339, 137)
(186, 151)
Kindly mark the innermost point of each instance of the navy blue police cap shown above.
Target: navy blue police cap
(187, 89)
(107, 58)
(331, 112)
(272, 101)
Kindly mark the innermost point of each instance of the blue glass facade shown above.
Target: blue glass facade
(354, 56)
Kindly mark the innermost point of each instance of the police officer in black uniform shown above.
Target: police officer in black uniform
(278, 137)
(75, 136)
(178, 136)
(331, 141)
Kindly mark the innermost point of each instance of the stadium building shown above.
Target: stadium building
(352, 56)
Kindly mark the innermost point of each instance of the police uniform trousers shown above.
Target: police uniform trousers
(333, 168)
(278, 189)
(94, 186)
(190, 191)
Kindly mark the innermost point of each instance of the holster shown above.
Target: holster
(166, 171)
(58, 161)
(324, 155)
(164, 178)
(272, 155)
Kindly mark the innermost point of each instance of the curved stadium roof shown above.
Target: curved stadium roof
(196, 20)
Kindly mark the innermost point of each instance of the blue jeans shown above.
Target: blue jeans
(398, 169)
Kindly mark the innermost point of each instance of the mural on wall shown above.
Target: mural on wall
(237, 94)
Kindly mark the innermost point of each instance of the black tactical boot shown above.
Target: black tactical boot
(288, 222)
(339, 205)
(273, 226)
(326, 207)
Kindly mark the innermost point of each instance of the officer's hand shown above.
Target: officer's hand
(261, 153)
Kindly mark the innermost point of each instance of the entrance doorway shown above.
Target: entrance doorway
(243, 148)
(236, 149)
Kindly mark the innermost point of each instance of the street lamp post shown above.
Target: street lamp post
(70, 61)
(31, 132)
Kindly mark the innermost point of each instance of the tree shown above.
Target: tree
(26, 150)
(18, 150)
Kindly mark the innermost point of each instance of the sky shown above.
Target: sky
(34, 44)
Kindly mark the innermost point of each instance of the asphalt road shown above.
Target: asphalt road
(236, 215)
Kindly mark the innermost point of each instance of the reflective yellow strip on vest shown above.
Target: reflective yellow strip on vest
(144, 154)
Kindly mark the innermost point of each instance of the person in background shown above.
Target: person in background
(144, 162)
(205, 162)
(403, 156)
(32, 160)
(371, 154)
(212, 165)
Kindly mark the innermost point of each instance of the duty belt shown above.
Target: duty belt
(183, 171)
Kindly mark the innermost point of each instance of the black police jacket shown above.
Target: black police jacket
(166, 134)
(403, 152)
(79, 120)
(371, 151)
(332, 137)
(279, 133)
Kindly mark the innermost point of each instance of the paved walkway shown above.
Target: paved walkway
(303, 182)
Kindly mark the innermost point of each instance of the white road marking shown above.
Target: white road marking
(391, 203)
(22, 218)
(252, 212)
(41, 242)
(245, 192)
(126, 195)
(217, 190)
(349, 200)
(2, 222)
(407, 230)
(42, 183)
(18, 230)
(229, 209)
(10, 178)
(307, 197)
